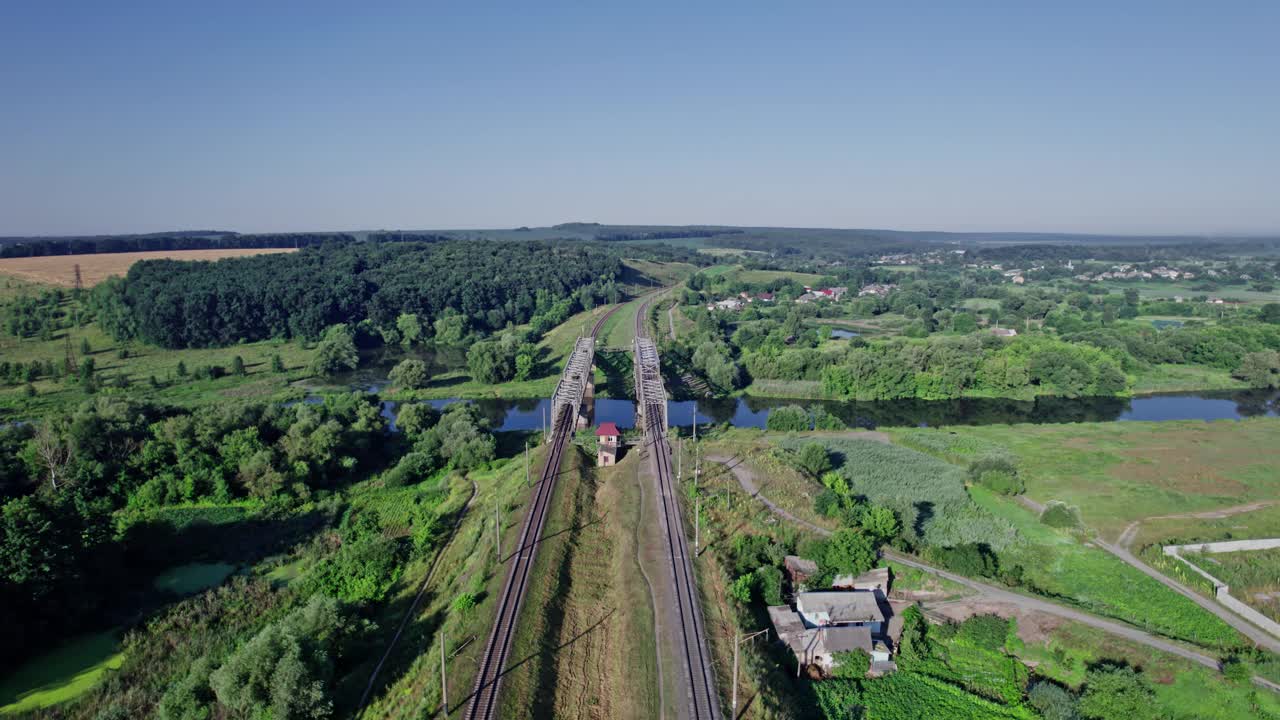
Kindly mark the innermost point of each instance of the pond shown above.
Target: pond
(193, 577)
(61, 674)
(753, 412)
(842, 334)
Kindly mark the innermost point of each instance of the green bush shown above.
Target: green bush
(1053, 701)
(999, 474)
(769, 581)
(851, 665)
(1061, 515)
(791, 418)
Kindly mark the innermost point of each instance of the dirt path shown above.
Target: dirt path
(1257, 635)
(747, 480)
(671, 319)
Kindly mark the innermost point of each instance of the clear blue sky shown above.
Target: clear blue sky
(1081, 116)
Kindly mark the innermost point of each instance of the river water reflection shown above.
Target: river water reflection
(754, 411)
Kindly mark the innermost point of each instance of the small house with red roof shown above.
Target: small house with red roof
(608, 439)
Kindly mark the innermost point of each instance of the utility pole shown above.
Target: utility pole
(736, 640)
(444, 683)
(697, 521)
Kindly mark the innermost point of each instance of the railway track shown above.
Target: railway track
(485, 696)
(702, 699)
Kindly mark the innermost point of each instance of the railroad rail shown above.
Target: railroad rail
(651, 397)
(566, 404)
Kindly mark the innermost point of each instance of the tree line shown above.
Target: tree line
(37, 247)
(486, 285)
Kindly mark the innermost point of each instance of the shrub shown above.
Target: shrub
(974, 560)
(813, 459)
(984, 631)
(1053, 701)
(410, 373)
(827, 503)
(464, 603)
(851, 665)
(769, 581)
(791, 418)
(848, 552)
(997, 473)
(1061, 515)
(1117, 692)
(743, 589)
(414, 467)
(823, 420)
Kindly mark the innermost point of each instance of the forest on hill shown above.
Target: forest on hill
(483, 285)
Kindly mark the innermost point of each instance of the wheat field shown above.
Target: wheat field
(61, 269)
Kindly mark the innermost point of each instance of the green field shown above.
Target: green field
(1165, 288)
(1057, 563)
(1121, 472)
(1184, 378)
(1253, 576)
(764, 276)
(62, 674)
(145, 361)
(981, 304)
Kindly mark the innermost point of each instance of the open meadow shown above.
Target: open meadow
(1118, 473)
(94, 268)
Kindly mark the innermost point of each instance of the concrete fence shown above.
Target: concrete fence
(1220, 589)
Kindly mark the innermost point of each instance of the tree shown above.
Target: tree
(182, 368)
(450, 328)
(85, 347)
(791, 418)
(336, 352)
(411, 374)
(237, 365)
(743, 589)
(1117, 692)
(52, 452)
(880, 523)
(283, 672)
(1260, 369)
(849, 552)
(277, 363)
(1270, 313)
(813, 459)
(414, 419)
(491, 362)
(410, 327)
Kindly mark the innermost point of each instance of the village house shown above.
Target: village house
(726, 304)
(1004, 332)
(608, 440)
(826, 622)
(878, 289)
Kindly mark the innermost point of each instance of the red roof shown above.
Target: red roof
(607, 429)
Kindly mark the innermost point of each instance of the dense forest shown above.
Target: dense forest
(37, 247)
(485, 284)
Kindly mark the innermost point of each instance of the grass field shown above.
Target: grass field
(585, 647)
(1121, 472)
(1253, 576)
(1183, 690)
(62, 674)
(1163, 288)
(661, 273)
(1184, 378)
(61, 269)
(620, 329)
(145, 361)
(764, 276)
(981, 303)
(1059, 564)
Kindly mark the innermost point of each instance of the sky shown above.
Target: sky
(1118, 117)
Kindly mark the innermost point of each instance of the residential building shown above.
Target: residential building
(1004, 332)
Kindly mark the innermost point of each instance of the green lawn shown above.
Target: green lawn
(1120, 472)
(62, 674)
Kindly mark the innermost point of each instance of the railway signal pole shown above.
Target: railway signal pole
(737, 639)
(444, 682)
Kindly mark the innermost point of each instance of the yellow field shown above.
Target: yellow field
(61, 269)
